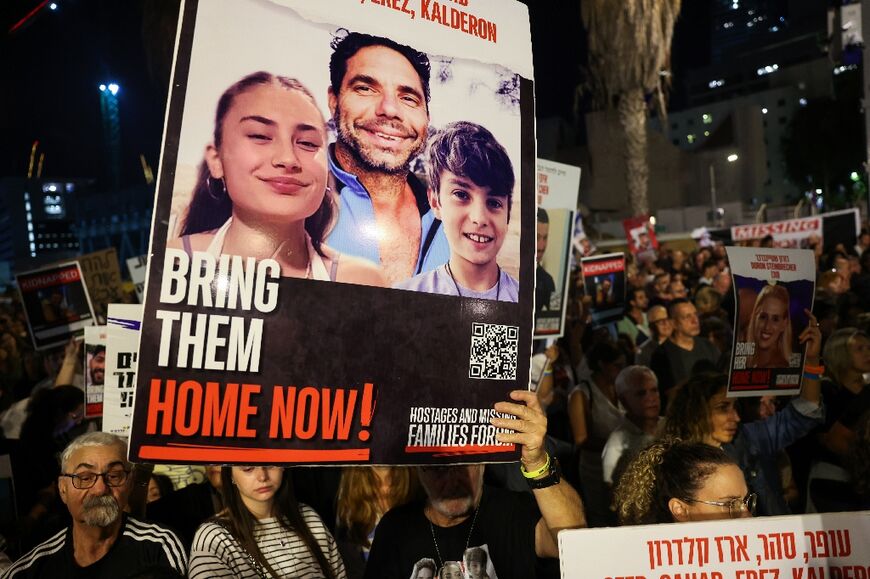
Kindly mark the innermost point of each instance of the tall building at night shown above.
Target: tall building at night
(767, 59)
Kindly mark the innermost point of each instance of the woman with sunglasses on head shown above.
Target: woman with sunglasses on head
(262, 189)
(263, 532)
(700, 411)
(672, 481)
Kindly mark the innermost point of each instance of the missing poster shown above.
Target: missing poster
(137, 266)
(94, 370)
(122, 356)
(342, 261)
(641, 237)
(558, 188)
(772, 289)
(604, 282)
(56, 303)
(103, 279)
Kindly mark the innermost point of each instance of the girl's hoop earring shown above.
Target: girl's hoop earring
(211, 191)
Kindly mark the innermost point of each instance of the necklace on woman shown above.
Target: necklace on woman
(288, 253)
(467, 539)
(456, 285)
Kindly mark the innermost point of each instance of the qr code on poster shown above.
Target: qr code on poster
(493, 352)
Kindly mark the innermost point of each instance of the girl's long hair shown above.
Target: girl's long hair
(210, 205)
(776, 292)
(358, 508)
(240, 522)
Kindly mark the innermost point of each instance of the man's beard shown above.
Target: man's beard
(454, 499)
(371, 158)
(97, 377)
(100, 511)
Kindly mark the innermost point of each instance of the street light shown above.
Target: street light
(732, 157)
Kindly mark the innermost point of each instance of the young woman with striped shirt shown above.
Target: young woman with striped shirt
(263, 532)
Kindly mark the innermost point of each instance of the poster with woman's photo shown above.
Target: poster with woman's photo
(773, 289)
(604, 283)
(342, 259)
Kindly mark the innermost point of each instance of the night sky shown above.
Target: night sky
(52, 68)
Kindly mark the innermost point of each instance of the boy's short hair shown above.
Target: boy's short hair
(471, 151)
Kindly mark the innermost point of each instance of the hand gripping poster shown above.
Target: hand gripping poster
(773, 288)
(342, 259)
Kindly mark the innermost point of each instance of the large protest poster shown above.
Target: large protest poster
(772, 289)
(604, 283)
(821, 546)
(558, 188)
(241, 360)
(95, 370)
(56, 303)
(803, 232)
(103, 278)
(122, 354)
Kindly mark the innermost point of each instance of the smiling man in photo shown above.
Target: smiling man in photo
(379, 101)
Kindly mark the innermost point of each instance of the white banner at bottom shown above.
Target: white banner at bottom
(822, 546)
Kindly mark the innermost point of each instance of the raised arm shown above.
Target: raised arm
(560, 505)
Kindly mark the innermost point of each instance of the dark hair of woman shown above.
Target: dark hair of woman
(604, 352)
(665, 470)
(240, 522)
(210, 204)
(688, 414)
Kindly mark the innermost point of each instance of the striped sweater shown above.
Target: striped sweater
(216, 553)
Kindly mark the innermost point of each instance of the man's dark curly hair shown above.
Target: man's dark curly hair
(344, 47)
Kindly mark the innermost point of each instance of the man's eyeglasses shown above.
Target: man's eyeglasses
(736, 507)
(86, 480)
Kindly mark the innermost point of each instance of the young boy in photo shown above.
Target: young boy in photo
(471, 182)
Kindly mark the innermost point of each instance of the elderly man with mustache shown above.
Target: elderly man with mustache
(103, 541)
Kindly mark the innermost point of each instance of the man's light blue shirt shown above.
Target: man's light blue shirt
(355, 232)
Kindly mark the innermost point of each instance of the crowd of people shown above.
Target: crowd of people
(627, 423)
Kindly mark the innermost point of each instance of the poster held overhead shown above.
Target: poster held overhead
(56, 303)
(102, 275)
(772, 289)
(95, 370)
(604, 282)
(383, 340)
(558, 186)
(122, 355)
(137, 267)
(641, 236)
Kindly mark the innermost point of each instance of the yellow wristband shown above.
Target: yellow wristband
(538, 472)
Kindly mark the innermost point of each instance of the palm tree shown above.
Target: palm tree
(629, 58)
